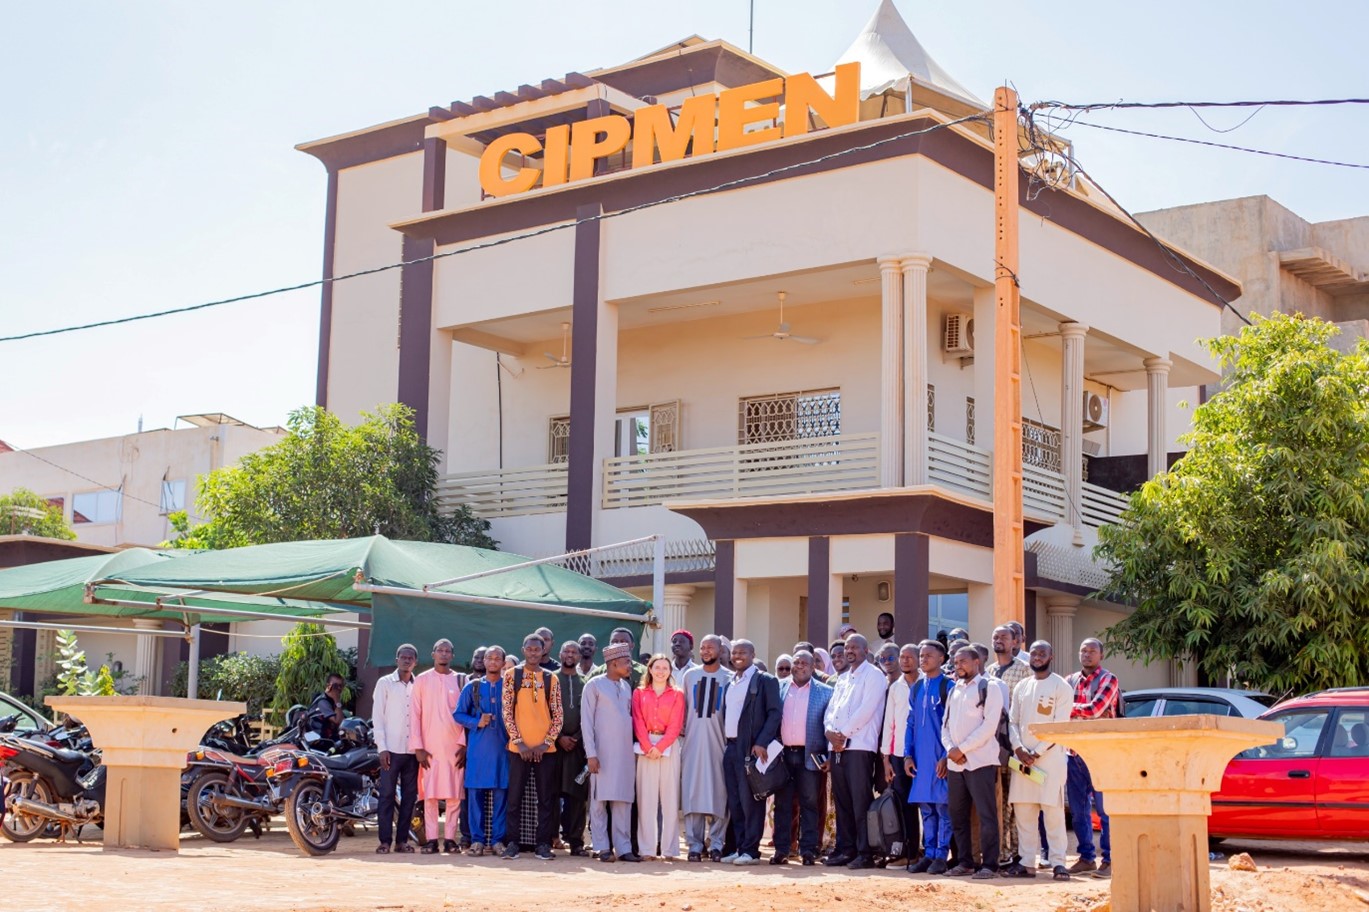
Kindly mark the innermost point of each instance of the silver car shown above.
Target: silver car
(1193, 701)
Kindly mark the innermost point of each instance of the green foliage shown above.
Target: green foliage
(327, 479)
(103, 684)
(71, 664)
(237, 676)
(1251, 555)
(310, 655)
(23, 512)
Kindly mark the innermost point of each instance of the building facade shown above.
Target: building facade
(758, 322)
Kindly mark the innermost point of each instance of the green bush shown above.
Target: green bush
(310, 655)
(237, 676)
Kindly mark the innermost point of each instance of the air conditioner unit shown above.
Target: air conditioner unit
(958, 336)
(1095, 411)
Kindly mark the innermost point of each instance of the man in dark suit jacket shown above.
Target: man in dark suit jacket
(750, 721)
(804, 702)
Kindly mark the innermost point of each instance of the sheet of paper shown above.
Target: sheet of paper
(773, 752)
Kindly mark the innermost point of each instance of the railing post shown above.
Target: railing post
(658, 576)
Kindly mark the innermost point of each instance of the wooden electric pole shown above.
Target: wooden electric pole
(1009, 575)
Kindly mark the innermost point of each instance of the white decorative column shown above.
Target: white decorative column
(1072, 420)
(145, 664)
(1060, 611)
(891, 431)
(674, 607)
(1157, 394)
(915, 269)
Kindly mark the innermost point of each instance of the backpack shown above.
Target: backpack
(1004, 742)
(945, 689)
(884, 825)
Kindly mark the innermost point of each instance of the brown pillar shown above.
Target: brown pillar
(912, 576)
(416, 294)
(581, 468)
(724, 595)
(819, 591)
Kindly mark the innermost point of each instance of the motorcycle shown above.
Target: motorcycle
(226, 792)
(50, 785)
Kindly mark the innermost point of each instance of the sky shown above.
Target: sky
(147, 160)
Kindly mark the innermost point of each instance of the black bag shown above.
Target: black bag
(884, 825)
(765, 784)
(1001, 731)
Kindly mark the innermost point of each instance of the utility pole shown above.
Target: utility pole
(751, 31)
(1009, 575)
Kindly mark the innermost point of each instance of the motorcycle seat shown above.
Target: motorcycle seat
(68, 757)
(351, 760)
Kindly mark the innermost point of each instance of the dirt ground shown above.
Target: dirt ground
(270, 874)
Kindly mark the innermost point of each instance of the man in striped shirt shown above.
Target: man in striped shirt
(1096, 696)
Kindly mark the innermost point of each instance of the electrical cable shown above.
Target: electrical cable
(1217, 145)
(62, 468)
(1278, 103)
(498, 242)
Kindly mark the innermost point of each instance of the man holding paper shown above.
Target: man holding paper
(751, 722)
(1039, 768)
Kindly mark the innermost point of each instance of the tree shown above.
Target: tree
(310, 655)
(1251, 556)
(23, 512)
(326, 479)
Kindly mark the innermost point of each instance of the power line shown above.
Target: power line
(1217, 145)
(1278, 103)
(548, 229)
(103, 487)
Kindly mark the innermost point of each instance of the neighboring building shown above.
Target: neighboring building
(118, 491)
(1284, 262)
(632, 374)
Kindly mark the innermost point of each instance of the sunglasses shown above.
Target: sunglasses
(888, 660)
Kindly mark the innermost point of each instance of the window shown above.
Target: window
(1139, 709)
(969, 420)
(1302, 732)
(173, 496)
(947, 611)
(1040, 445)
(653, 428)
(558, 440)
(1351, 737)
(97, 507)
(1190, 706)
(789, 416)
(931, 408)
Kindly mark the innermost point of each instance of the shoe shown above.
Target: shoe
(745, 860)
(606, 857)
(450, 847)
(403, 848)
(579, 852)
(497, 849)
(1044, 865)
(1017, 870)
(1083, 866)
(430, 847)
(1104, 871)
(630, 856)
(511, 851)
(939, 866)
(860, 863)
(558, 844)
(809, 861)
(383, 849)
(544, 853)
(477, 849)
(960, 870)
(696, 856)
(921, 867)
(728, 859)
(779, 859)
(837, 861)
(717, 856)
(1061, 873)
(986, 874)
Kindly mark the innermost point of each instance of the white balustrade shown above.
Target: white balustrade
(506, 492)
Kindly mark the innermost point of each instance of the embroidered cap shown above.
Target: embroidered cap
(617, 651)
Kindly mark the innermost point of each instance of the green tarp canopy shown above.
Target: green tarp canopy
(499, 608)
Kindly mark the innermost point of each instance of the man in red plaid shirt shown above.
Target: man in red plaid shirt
(1097, 695)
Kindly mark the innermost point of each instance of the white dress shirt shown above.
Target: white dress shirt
(972, 727)
(390, 713)
(735, 698)
(857, 707)
(895, 718)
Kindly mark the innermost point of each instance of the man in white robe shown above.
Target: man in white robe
(1042, 697)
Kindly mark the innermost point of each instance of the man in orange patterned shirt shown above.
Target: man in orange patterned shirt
(532, 716)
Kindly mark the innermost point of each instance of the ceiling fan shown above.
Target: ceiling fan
(783, 334)
(564, 360)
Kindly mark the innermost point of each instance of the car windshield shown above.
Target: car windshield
(1136, 709)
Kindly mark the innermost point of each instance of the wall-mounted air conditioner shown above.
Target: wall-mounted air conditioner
(957, 338)
(1095, 411)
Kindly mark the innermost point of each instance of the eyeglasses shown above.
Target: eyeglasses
(888, 660)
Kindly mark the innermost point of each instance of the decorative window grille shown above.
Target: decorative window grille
(969, 420)
(665, 426)
(558, 440)
(789, 416)
(1040, 445)
(931, 408)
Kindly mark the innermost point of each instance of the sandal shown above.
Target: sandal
(1061, 873)
(382, 849)
(404, 848)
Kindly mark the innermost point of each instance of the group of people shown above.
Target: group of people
(645, 755)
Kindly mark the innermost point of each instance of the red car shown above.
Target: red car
(1313, 784)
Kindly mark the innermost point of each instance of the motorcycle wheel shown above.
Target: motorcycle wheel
(312, 837)
(220, 826)
(20, 827)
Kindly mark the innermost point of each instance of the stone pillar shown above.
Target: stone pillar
(915, 269)
(1072, 420)
(145, 662)
(891, 430)
(1157, 440)
(1060, 611)
(674, 606)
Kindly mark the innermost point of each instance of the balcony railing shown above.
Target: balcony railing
(506, 492)
(839, 463)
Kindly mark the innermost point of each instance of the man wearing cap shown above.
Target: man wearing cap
(682, 652)
(606, 724)
(622, 636)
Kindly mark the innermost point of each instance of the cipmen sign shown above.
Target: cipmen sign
(706, 124)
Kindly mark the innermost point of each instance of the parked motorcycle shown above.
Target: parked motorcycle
(227, 792)
(50, 785)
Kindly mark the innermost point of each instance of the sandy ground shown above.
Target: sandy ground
(270, 874)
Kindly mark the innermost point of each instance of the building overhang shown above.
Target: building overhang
(1323, 271)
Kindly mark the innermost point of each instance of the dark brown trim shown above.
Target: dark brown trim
(928, 513)
(819, 588)
(945, 147)
(24, 653)
(680, 71)
(371, 146)
(434, 174)
(912, 586)
(325, 316)
(415, 329)
(724, 574)
(584, 358)
(1029, 622)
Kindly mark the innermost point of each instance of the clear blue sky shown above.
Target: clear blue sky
(146, 159)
